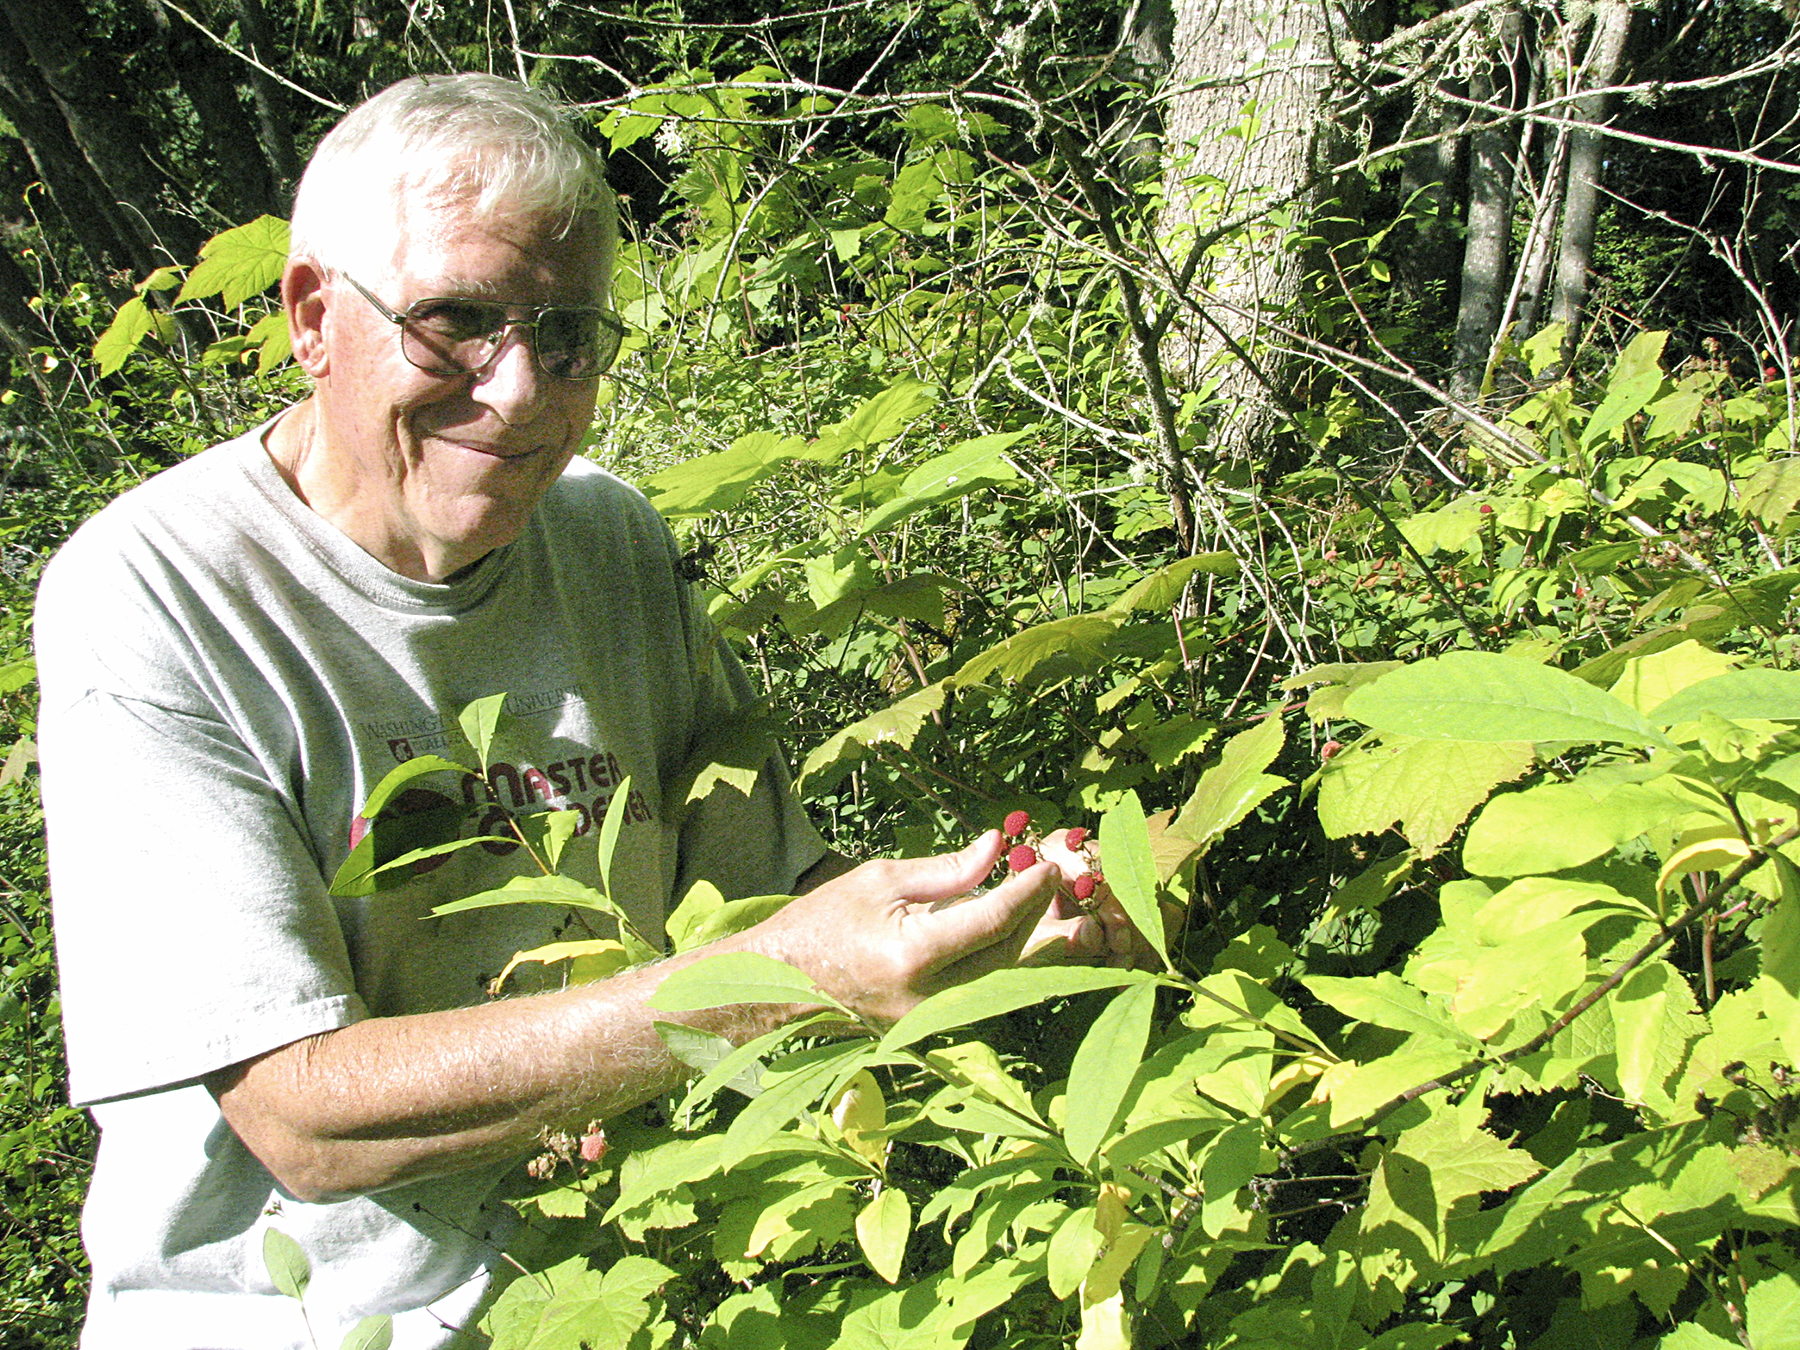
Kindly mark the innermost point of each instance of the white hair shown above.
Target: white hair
(489, 145)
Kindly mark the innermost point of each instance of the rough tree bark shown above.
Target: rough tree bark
(206, 76)
(1221, 164)
(103, 124)
(274, 128)
(1606, 50)
(87, 207)
(1492, 148)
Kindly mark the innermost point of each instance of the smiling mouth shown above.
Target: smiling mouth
(503, 452)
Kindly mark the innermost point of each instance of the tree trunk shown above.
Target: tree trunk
(1489, 227)
(1146, 32)
(1612, 22)
(20, 326)
(1227, 161)
(1430, 183)
(274, 128)
(102, 123)
(86, 206)
(207, 78)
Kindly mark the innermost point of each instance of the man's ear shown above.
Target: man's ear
(303, 297)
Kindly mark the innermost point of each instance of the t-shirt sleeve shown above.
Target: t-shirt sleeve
(193, 927)
(746, 843)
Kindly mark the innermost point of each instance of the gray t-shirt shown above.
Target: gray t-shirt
(225, 676)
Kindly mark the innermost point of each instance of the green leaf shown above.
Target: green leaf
(736, 977)
(740, 1068)
(130, 326)
(734, 917)
(1163, 587)
(479, 721)
(878, 419)
(609, 831)
(787, 1088)
(695, 1046)
(1073, 1247)
(898, 724)
(721, 480)
(882, 1230)
(15, 675)
(955, 473)
(273, 343)
(1047, 651)
(286, 1263)
(1635, 379)
(1772, 1310)
(1772, 491)
(1554, 826)
(1000, 991)
(547, 833)
(1655, 1022)
(372, 1333)
(1234, 787)
(239, 263)
(572, 1306)
(1354, 1090)
(1737, 696)
(1543, 348)
(1653, 678)
(551, 890)
(703, 899)
(1384, 1000)
(1103, 1068)
(1131, 869)
(1478, 696)
(1426, 787)
(402, 774)
(1232, 1159)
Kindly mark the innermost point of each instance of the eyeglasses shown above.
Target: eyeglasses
(450, 335)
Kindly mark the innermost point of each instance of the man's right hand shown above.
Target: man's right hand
(879, 940)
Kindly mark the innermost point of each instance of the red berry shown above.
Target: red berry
(593, 1145)
(1084, 886)
(1327, 750)
(1021, 857)
(1486, 510)
(1016, 821)
(1076, 837)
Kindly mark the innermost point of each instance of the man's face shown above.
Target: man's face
(428, 472)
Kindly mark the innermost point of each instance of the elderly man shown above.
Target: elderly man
(253, 639)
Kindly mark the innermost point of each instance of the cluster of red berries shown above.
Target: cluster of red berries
(1024, 852)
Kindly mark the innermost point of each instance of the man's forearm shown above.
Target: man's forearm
(394, 1099)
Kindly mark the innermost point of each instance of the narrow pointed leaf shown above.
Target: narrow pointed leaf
(1103, 1068)
(999, 992)
(1130, 865)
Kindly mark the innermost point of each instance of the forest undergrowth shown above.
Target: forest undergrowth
(1462, 737)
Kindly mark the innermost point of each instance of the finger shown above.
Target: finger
(1056, 942)
(996, 922)
(943, 876)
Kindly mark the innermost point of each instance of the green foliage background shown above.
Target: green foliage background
(884, 383)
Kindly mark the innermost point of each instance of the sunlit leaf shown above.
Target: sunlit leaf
(286, 1263)
(882, 1229)
(998, 992)
(239, 263)
(1103, 1068)
(735, 977)
(1478, 696)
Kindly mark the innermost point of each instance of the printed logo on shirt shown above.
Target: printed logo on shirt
(420, 817)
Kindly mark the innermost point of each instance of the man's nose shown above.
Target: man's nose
(511, 383)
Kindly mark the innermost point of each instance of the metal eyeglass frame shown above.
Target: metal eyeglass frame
(533, 313)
